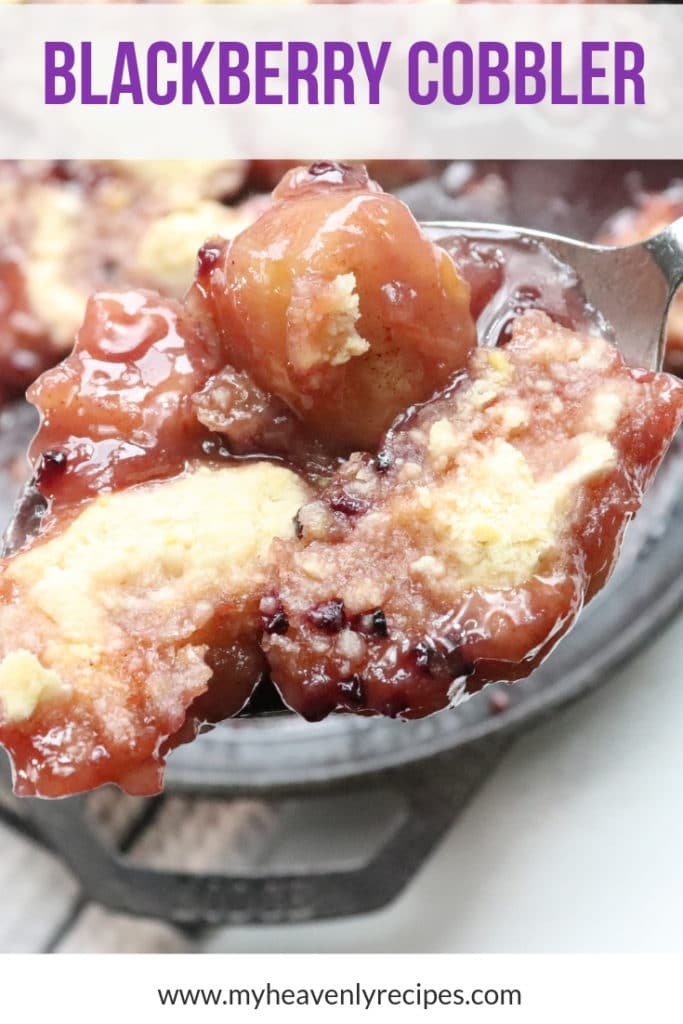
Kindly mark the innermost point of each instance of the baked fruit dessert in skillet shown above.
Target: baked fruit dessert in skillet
(68, 228)
(380, 471)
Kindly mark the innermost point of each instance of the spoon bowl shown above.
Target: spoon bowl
(631, 286)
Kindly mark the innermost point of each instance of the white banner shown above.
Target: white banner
(367, 81)
(529, 989)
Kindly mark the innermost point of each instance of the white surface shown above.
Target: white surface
(574, 845)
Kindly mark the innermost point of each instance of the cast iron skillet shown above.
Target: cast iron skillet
(433, 765)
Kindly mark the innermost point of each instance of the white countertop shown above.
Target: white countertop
(575, 844)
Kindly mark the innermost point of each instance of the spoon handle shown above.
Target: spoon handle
(666, 247)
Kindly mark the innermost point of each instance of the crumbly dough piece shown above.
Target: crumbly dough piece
(112, 625)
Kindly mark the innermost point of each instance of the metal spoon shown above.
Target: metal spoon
(632, 286)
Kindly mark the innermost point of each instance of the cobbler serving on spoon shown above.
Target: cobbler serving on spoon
(379, 471)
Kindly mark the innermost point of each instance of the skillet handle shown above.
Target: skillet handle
(433, 793)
